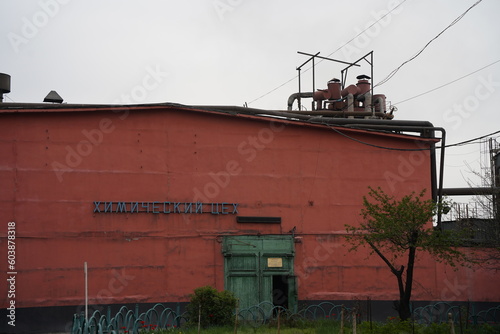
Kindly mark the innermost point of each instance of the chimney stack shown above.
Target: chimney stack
(4, 85)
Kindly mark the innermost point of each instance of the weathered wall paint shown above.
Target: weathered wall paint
(54, 165)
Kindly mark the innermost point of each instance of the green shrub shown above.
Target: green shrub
(216, 307)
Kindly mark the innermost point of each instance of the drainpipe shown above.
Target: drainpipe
(441, 172)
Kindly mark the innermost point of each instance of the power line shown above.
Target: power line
(352, 39)
(474, 139)
(395, 70)
(449, 83)
(272, 90)
(7, 96)
(339, 48)
(426, 45)
(376, 146)
(410, 149)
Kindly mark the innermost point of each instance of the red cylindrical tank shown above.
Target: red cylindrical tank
(363, 86)
(334, 89)
(379, 102)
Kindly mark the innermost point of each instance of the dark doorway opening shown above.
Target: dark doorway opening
(280, 290)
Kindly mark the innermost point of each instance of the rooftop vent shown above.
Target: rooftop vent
(53, 97)
(363, 77)
(4, 85)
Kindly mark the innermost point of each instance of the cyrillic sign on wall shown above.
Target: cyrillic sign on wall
(166, 207)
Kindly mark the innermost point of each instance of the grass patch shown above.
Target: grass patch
(333, 327)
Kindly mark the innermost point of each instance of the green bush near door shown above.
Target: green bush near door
(212, 307)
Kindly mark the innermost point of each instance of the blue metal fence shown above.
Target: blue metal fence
(262, 313)
(160, 316)
(438, 312)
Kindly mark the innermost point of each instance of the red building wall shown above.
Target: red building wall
(56, 163)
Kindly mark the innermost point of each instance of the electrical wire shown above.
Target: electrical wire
(392, 75)
(7, 96)
(320, 60)
(409, 149)
(352, 39)
(426, 45)
(377, 146)
(472, 140)
(446, 84)
(275, 89)
(395, 70)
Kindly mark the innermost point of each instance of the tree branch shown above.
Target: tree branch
(389, 264)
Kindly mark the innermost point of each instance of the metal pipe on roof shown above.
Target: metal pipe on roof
(297, 96)
(425, 128)
(380, 123)
(253, 111)
(471, 191)
(345, 113)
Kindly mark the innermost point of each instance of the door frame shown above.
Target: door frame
(274, 255)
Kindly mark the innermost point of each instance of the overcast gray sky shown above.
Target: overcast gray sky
(228, 52)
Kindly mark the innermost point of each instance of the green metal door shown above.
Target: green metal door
(260, 268)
